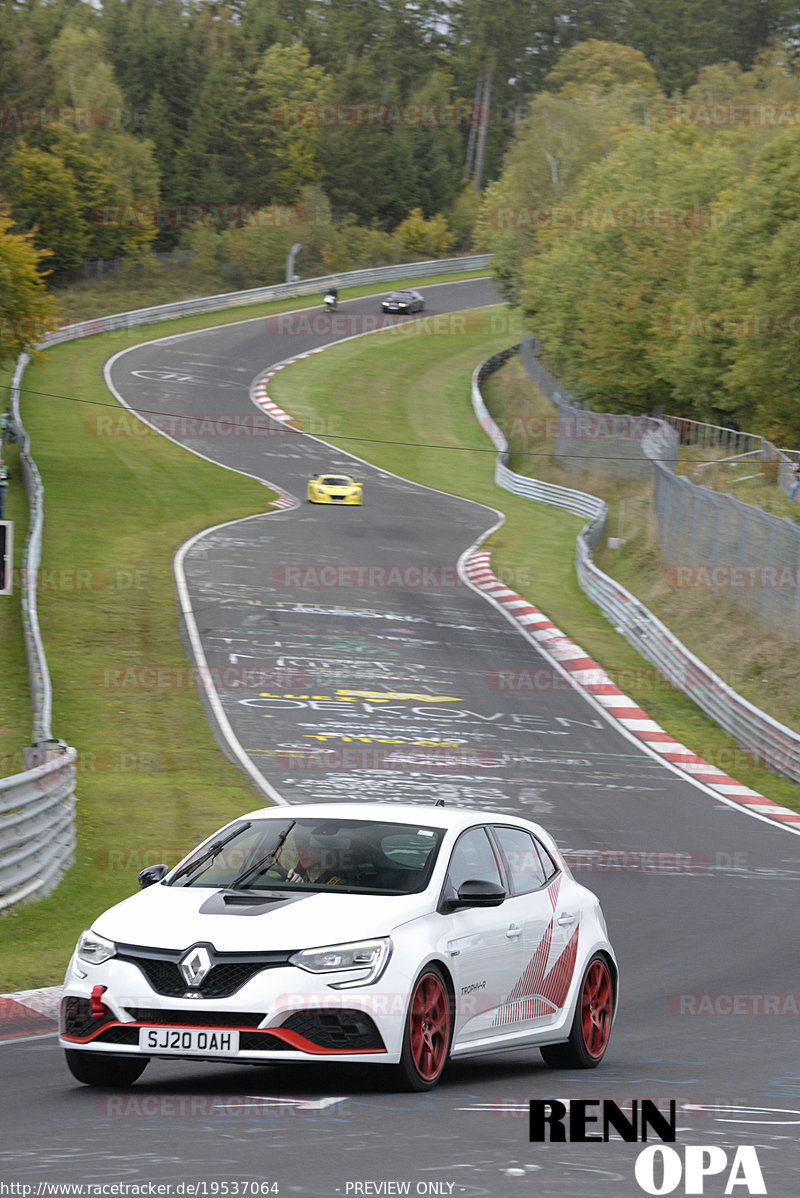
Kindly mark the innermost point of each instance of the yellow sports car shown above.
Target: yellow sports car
(333, 488)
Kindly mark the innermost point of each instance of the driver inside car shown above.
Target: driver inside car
(314, 863)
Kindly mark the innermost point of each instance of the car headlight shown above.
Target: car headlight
(370, 957)
(95, 949)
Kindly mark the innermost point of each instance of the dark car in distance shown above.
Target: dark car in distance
(403, 301)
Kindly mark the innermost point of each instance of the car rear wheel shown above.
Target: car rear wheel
(591, 1025)
(105, 1069)
(429, 1029)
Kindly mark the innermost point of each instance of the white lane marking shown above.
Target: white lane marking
(25, 1039)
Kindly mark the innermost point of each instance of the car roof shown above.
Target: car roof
(413, 814)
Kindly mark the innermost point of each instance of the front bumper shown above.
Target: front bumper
(282, 1014)
(350, 499)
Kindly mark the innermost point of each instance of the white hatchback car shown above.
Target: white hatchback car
(357, 932)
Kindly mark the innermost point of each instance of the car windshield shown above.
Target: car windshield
(335, 480)
(355, 856)
(401, 295)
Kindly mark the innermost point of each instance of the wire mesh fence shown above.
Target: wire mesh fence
(612, 442)
(708, 539)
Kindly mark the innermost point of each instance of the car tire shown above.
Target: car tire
(591, 1024)
(428, 1031)
(105, 1069)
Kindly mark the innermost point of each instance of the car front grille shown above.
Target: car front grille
(228, 973)
(195, 1018)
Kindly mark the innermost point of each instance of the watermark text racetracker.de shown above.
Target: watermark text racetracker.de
(22, 119)
(729, 324)
(207, 216)
(310, 323)
(372, 114)
(598, 219)
(72, 579)
(734, 577)
(378, 576)
(731, 115)
(163, 678)
(222, 426)
(736, 1006)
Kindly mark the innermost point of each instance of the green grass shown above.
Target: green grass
(393, 390)
(151, 780)
(150, 777)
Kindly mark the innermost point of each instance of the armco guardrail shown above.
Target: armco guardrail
(577, 502)
(770, 742)
(37, 835)
(259, 295)
(38, 675)
(37, 828)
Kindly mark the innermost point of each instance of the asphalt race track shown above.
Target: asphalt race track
(351, 662)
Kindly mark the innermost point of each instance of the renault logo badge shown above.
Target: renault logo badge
(195, 966)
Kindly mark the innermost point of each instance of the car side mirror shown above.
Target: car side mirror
(480, 893)
(152, 874)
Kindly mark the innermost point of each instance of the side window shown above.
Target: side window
(548, 864)
(523, 859)
(473, 857)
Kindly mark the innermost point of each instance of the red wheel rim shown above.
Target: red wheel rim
(429, 1027)
(597, 1008)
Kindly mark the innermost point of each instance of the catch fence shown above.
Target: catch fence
(708, 539)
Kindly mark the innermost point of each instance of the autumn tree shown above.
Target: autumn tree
(601, 290)
(26, 308)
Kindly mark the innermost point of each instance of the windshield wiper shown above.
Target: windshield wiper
(208, 854)
(266, 859)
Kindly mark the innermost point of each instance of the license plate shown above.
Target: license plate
(181, 1040)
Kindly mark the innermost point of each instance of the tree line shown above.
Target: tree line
(653, 243)
(368, 132)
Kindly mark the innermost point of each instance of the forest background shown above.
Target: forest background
(634, 167)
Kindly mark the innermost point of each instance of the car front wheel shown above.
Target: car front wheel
(105, 1069)
(429, 1029)
(591, 1025)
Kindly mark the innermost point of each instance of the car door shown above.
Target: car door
(477, 939)
(540, 906)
